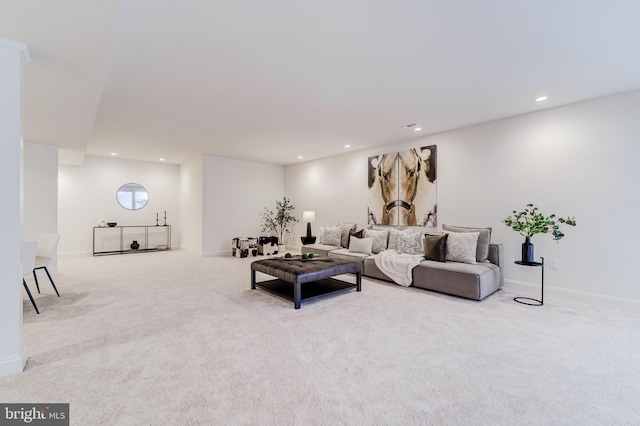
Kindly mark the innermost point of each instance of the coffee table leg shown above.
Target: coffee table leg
(296, 294)
(358, 281)
(253, 279)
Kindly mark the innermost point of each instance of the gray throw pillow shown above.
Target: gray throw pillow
(346, 227)
(435, 247)
(484, 240)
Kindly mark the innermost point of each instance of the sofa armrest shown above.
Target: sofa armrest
(496, 256)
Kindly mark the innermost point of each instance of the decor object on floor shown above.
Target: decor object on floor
(267, 245)
(112, 224)
(402, 188)
(45, 253)
(530, 222)
(308, 216)
(536, 302)
(278, 222)
(102, 223)
(134, 245)
(242, 246)
(298, 280)
(132, 196)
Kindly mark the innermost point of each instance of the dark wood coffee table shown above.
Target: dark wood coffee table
(299, 280)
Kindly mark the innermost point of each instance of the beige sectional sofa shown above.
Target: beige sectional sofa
(471, 281)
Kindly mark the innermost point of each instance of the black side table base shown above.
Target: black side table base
(520, 300)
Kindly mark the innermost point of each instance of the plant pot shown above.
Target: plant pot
(527, 250)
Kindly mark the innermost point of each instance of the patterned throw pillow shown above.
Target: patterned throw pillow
(330, 235)
(484, 240)
(411, 243)
(379, 238)
(357, 234)
(461, 246)
(394, 234)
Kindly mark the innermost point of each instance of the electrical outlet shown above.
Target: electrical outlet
(553, 263)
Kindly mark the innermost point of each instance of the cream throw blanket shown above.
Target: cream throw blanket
(398, 266)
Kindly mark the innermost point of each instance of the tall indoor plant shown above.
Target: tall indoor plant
(278, 221)
(530, 222)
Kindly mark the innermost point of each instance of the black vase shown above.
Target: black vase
(527, 250)
(135, 245)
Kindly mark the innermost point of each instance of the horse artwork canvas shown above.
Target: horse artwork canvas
(403, 188)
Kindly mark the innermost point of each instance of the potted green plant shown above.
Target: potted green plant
(278, 221)
(530, 222)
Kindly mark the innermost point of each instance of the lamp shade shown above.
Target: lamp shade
(308, 216)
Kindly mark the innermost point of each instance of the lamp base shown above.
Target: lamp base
(308, 240)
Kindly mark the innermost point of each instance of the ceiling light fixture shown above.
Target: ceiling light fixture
(300, 157)
(408, 126)
(417, 129)
(162, 159)
(541, 98)
(114, 154)
(347, 146)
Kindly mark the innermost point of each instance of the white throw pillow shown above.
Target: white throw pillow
(394, 235)
(461, 246)
(379, 238)
(360, 245)
(330, 235)
(411, 243)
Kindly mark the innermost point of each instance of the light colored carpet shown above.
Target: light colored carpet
(175, 339)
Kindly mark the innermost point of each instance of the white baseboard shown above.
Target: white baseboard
(601, 300)
(13, 364)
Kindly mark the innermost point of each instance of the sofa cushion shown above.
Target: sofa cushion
(360, 245)
(344, 237)
(321, 250)
(379, 239)
(484, 239)
(394, 234)
(331, 235)
(435, 247)
(461, 246)
(411, 242)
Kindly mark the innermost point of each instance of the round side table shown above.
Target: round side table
(529, 300)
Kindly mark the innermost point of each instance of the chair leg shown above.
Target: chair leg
(52, 283)
(33, 302)
(35, 277)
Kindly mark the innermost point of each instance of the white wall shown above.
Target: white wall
(40, 210)
(12, 353)
(235, 193)
(191, 202)
(577, 160)
(87, 194)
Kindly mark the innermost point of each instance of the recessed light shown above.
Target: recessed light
(162, 159)
(541, 98)
(114, 154)
(300, 157)
(408, 126)
(417, 129)
(347, 146)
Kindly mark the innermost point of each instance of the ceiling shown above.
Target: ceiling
(274, 80)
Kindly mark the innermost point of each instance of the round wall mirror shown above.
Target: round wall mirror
(132, 196)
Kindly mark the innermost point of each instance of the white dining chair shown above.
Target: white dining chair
(28, 263)
(47, 246)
